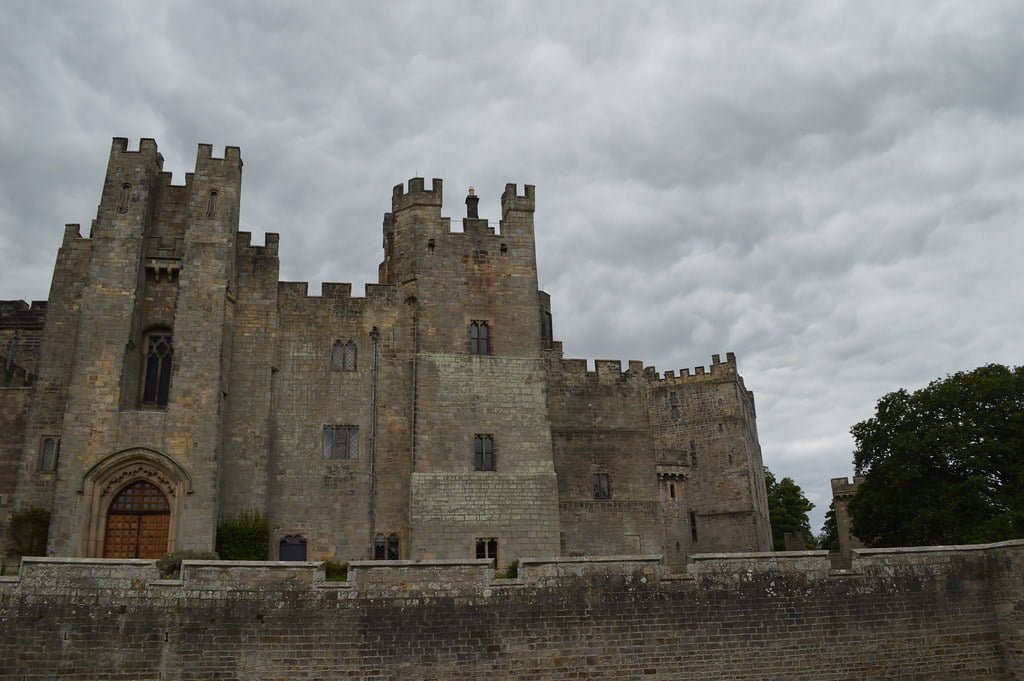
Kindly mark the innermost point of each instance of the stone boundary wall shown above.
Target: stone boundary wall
(897, 614)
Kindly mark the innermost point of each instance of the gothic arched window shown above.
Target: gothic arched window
(479, 338)
(156, 383)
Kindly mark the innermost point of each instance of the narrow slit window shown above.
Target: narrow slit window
(672, 490)
(122, 204)
(693, 453)
(211, 206)
(693, 526)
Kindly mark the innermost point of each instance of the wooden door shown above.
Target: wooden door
(138, 523)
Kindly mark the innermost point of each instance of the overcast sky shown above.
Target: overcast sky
(834, 191)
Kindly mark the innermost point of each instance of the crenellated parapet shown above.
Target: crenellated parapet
(717, 370)
(292, 293)
(513, 202)
(245, 248)
(417, 195)
(605, 370)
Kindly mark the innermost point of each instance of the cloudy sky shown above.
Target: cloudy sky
(834, 191)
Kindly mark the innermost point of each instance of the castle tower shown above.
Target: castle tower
(483, 479)
(141, 425)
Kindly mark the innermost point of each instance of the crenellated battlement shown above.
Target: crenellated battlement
(147, 148)
(295, 292)
(605, 370)
(232, 155)
(167, 180)
(245, 247)
(700, 373)
(511, 201)
(843, 486)
(417, 195)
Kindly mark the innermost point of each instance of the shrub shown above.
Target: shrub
(512, 571)
(28, 532)
(336, 572)
(244, 537)
(170, 565)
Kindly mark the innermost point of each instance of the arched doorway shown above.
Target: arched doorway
(138, 523)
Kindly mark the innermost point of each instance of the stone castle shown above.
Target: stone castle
(171, 380)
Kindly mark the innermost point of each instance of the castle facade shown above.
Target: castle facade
(171, 380)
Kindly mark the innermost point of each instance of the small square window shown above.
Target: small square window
(602, 488)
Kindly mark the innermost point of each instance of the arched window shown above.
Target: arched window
(379, 547)
(393, 547)
(479, 338)
(292, 548)
(156, 384)
(343, 356)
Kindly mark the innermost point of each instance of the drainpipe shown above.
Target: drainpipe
(374, 337)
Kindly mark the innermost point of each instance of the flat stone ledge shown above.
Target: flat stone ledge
(440, 562)
(585, 560)
(759, 555)
(108, 562)
(957, 548)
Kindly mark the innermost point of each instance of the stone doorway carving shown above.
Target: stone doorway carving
(135, 499)
(138, 523)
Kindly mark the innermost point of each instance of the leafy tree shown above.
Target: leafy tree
(788, 508)
(828, 539)
(944, 464)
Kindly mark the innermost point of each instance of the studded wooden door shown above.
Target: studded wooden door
(138, 523)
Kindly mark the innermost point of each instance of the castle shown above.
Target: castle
(171, 380)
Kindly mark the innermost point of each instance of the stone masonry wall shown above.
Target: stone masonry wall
(599, 427)
(952, 612)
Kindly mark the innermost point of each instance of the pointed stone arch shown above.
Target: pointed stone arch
(102, 483)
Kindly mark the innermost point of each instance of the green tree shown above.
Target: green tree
(788, 508)
(944, 464)
(828, 538)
